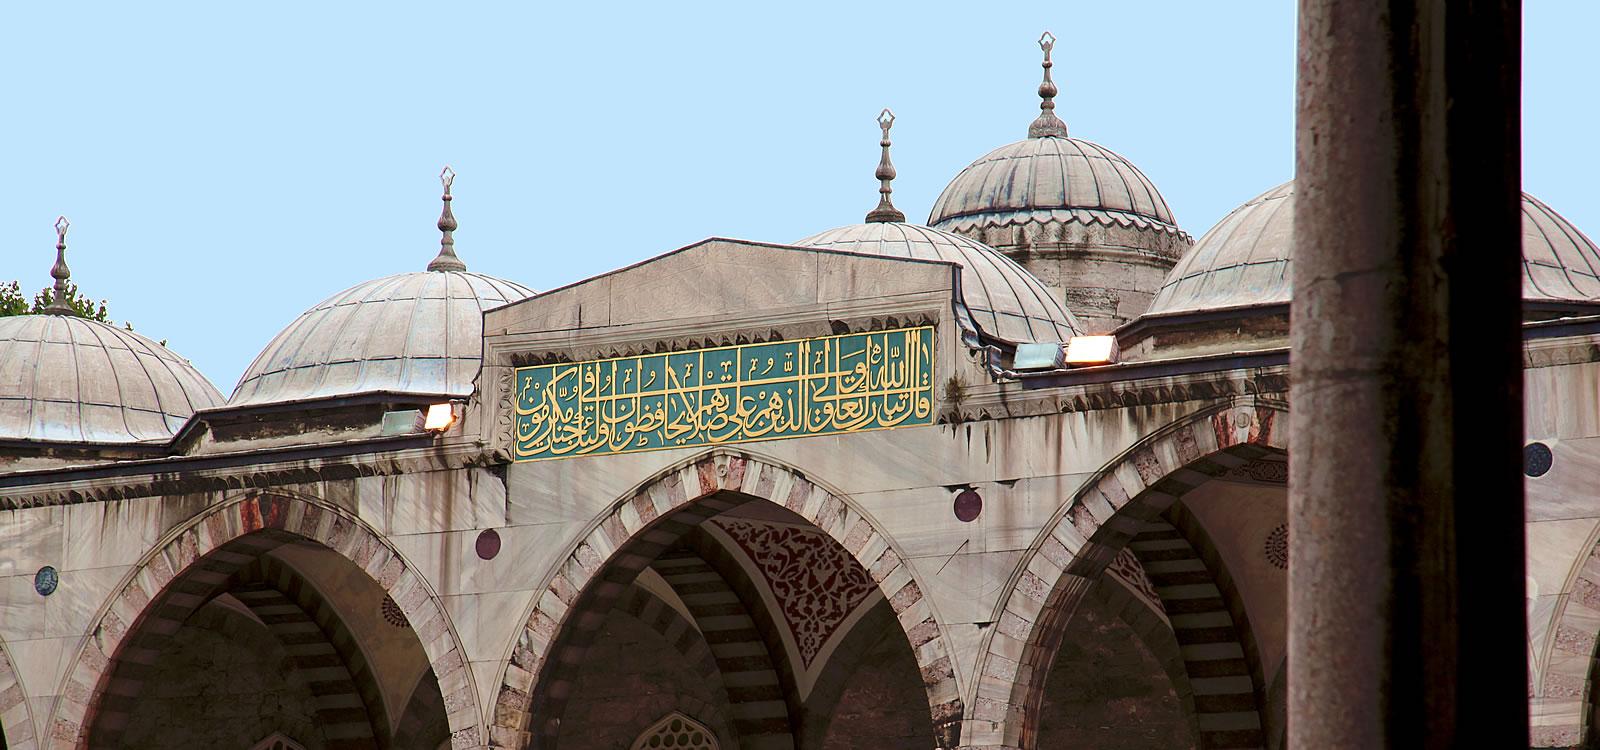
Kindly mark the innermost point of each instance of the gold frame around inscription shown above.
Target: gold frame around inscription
(829, 385)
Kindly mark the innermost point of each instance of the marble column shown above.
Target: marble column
(1406, 621)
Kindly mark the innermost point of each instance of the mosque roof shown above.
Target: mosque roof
(997, 297)
(1245, 259)
(67, 379)
(1051, 177)
(419, 333)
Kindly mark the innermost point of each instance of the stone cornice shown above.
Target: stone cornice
(254, 469)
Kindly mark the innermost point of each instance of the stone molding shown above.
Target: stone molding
(1005, 400)
(16, 723)
(1081, 540)
(653, 516)
(163, 479)
(256, 522)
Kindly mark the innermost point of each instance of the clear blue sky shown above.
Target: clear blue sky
(228, 165)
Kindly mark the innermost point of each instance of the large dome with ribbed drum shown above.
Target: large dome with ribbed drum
(1050, 178)
(1004, 300)
(66, 379)
(1245, 260)
(413, 333)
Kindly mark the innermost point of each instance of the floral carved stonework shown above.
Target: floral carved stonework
(816, 583)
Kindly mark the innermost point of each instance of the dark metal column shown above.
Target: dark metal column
(1406, 624)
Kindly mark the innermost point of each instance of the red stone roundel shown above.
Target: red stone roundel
(488, 544)
(968, 506)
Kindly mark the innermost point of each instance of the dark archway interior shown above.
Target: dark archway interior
(264, 651)
(641, 660)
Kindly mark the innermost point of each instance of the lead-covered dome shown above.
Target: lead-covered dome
(1004, 300)
(414, 333)
(411, 333)
(69, 380)
(1051, 179)
(1245, 259)
(998, 299)
(1048, 179)
(66, 379)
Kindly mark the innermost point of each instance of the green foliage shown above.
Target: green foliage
(12, 302)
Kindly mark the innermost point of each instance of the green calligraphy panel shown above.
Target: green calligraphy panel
(732, 394)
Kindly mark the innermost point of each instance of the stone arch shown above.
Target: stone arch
(1085, 535)
(1565, 695)
(646, 521)
(16, 725)
(198, 556)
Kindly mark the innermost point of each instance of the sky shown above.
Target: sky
(227, 166)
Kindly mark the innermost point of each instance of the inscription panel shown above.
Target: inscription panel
(821, 386)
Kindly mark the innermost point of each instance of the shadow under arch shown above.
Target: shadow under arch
(1085, 535)
(655, 515)
(17, 732)
(199, 556)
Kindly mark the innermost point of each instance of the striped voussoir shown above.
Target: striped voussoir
(1562, 703)
(1085, 536)
(756, 698)
(1155, 632)
(1213, 652)
(647, 522)
(193, 564)
(340, 712)
(683, 635)
(16, 716)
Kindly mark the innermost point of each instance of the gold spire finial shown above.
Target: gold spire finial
(446, 260)
(1047, 124)
(885, 212)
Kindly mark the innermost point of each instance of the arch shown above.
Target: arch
(656, 514)
(200, 555)
(359, 687)
(16, 726)
(1565, 694)
(1085, 535)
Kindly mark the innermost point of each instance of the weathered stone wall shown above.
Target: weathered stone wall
(1108, 692)
(224, 682)
(630, 678)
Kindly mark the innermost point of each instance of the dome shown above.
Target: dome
(1245, 259)
(1004, 300)
(1051, 178)
(416, 333)
(71, 380)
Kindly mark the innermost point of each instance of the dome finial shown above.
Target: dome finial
(446, 260)
(58, 304)
(1047, 124)
(885, 212)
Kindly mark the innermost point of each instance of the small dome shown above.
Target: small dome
(1245, 259)
(1051, 178)
(416, 333)
(1004, 300)
(70, 380)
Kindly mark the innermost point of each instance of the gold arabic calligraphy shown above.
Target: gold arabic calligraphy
(864, 381)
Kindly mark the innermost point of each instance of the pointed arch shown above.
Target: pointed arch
(1562, 703)
(656, 514)
(16, 714)
(198, 557)
(1081, 540)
